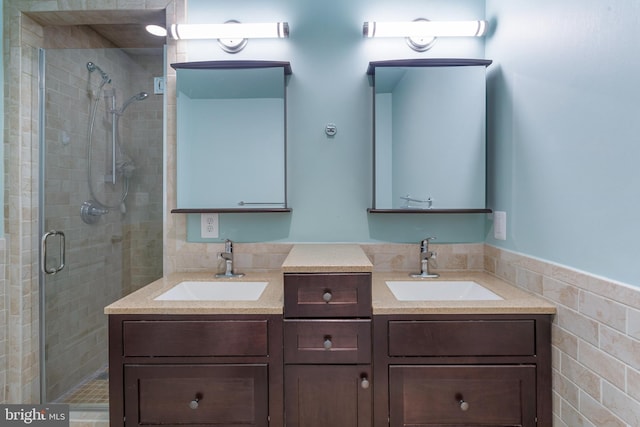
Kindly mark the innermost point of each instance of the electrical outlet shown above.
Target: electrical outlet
(208, 225)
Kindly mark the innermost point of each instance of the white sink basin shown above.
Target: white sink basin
(441, 290)
(214, 291)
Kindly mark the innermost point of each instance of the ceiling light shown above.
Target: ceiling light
(156, 30)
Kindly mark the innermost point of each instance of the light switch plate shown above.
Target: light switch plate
(158, 85)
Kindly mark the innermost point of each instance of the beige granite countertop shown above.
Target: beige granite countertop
(142, 301)
(515, 301)
(327, 258)
(323, 258)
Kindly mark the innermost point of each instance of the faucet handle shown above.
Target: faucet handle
(228, 246)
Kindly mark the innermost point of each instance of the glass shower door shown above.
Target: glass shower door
(100, 203)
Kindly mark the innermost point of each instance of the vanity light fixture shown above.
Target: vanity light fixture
(232, 35)
(422, 33)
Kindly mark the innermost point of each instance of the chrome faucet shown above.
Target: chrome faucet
(227, 256)
(425, 256)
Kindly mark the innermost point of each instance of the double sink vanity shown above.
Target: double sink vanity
(327, 341)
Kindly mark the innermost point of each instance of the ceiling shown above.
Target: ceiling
(123, 28)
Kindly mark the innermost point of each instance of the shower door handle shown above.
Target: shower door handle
(43, 252)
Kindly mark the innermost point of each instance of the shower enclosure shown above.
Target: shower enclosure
(101, 156)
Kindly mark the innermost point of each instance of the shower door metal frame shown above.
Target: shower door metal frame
(44, 234)
(41, 228)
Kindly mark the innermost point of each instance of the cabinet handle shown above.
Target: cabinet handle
(327, 296)
(195, 402)
(464, 406)
(364, 382)
(327, 343)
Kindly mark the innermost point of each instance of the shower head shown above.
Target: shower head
(137, 97)
(93, 67)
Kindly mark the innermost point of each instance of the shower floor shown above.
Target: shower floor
(93, 391)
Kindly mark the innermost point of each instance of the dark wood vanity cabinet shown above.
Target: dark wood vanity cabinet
(327, 350)
(201, 370)
(462, 370)
(330, 362)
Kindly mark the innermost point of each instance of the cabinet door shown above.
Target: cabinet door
(462, 395)
(327, 395)
(197, 395)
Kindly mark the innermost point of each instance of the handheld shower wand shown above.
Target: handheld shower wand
(137, 97)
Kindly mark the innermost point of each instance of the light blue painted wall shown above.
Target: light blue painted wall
(564, 118)
(330, 179)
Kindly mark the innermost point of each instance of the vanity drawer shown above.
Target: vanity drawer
(327, 341)
(462, 395)
(462, 338)
(221, 395)
(327, 295)
(195, 338)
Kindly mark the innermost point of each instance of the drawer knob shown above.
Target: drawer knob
(327, 343)
(364, 382)
(327, 296)
(464, 406)
(194, 403)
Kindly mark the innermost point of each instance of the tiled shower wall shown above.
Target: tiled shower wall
(142, 228)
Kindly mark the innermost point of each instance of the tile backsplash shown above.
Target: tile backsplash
(202, 257)
(596, 339)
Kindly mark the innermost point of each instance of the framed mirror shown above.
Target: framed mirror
(429, 135)
(231, 136)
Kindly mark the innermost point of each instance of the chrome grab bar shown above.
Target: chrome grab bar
(408, 199)
(43, 252)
